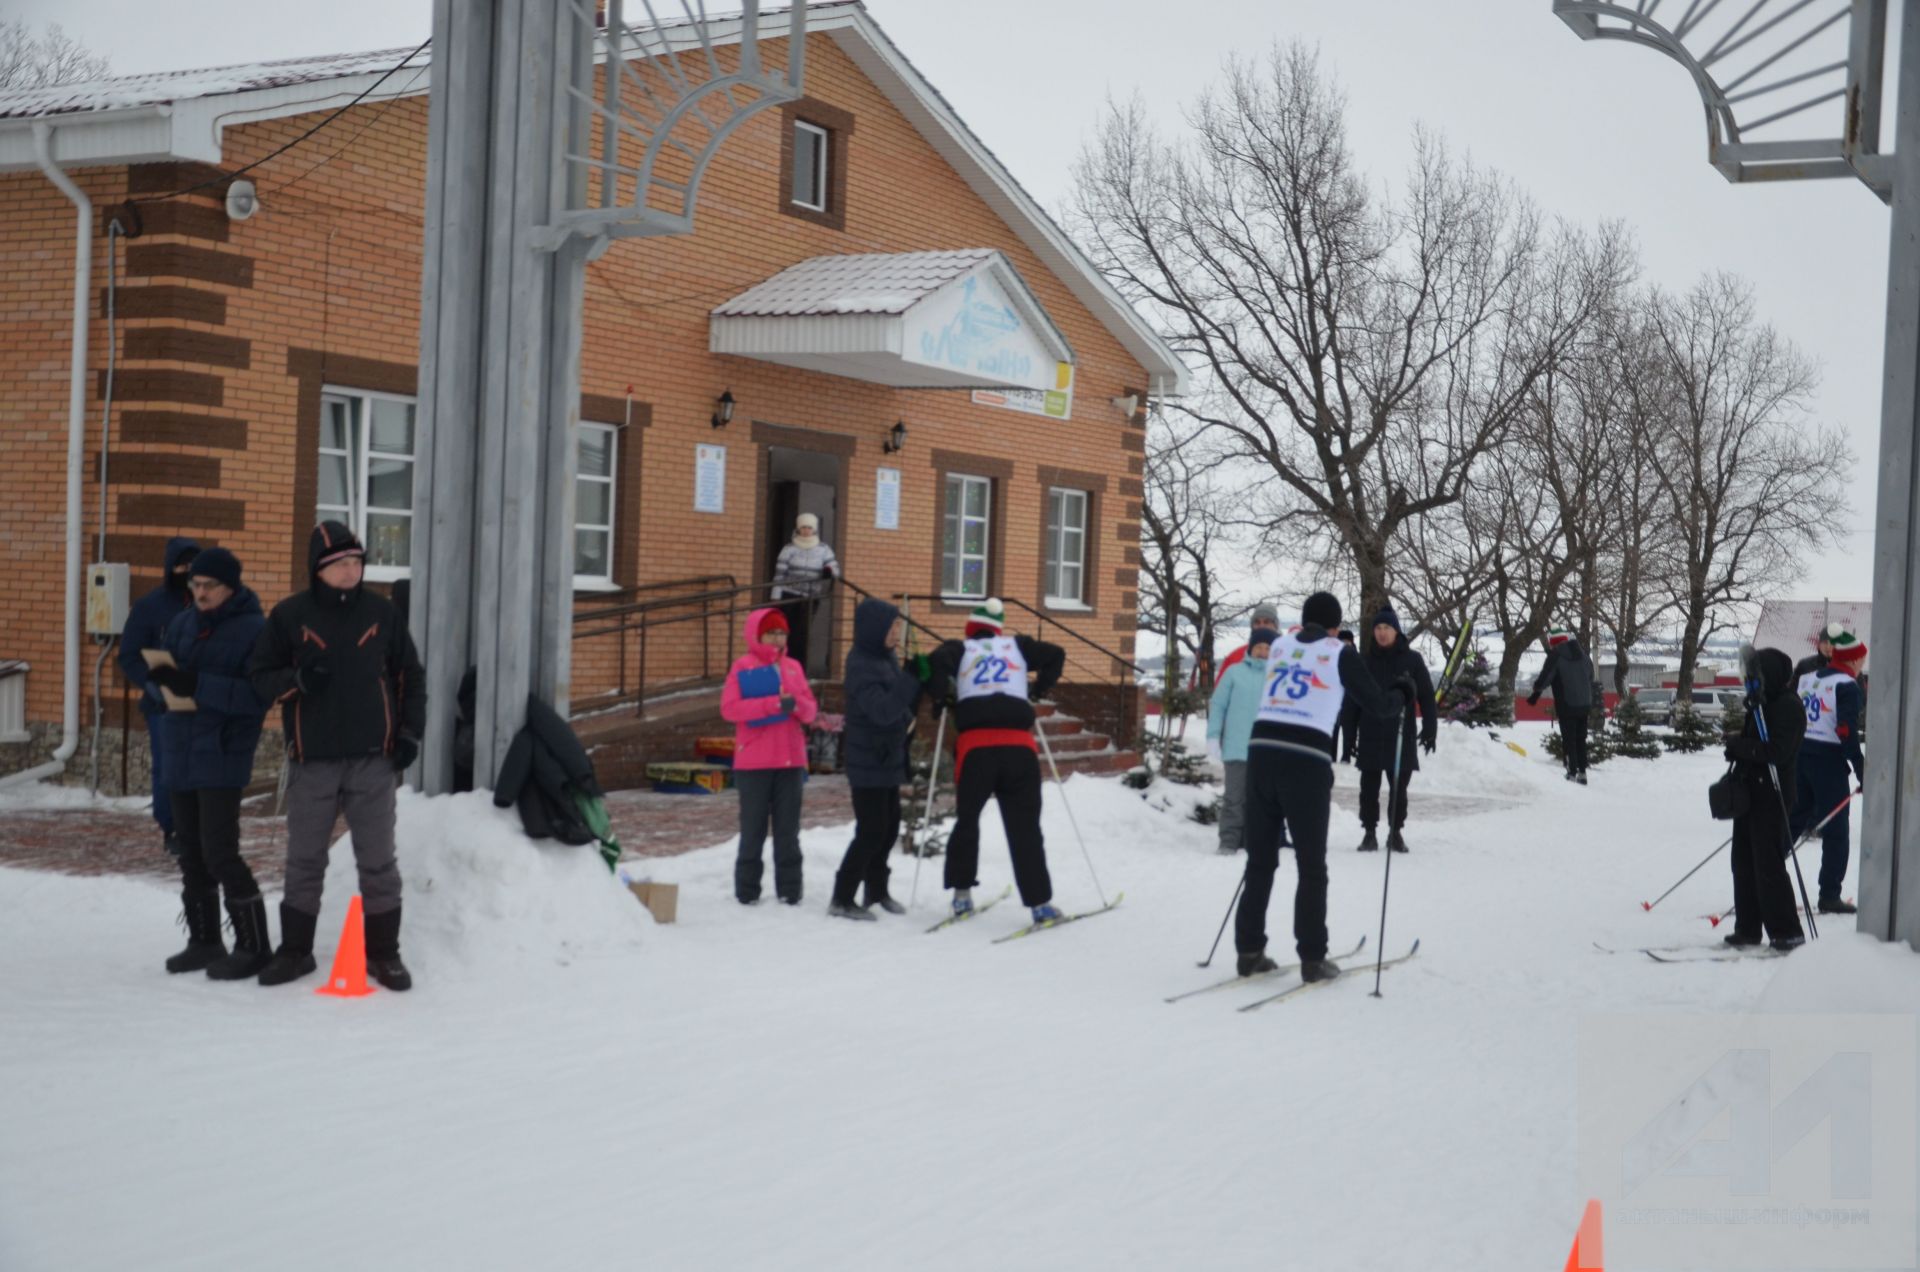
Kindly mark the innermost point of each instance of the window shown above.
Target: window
(810, 151)
(366, 474)
(593, 505)
(963, 543)
(1066, 547)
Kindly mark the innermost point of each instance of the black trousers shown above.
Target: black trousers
(1011, 775)
(1762, 891)
(1293, 791)
(1573, 739)
(1349, 740)
(1370, 798)
(769, 796)
(1821, 779)
(207, 824)
(876, 826)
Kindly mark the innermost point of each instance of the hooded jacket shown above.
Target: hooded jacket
(377, 690)
(1569, 673)
(764, 737)
(1235, 705)
(1387, 663)
(1786, 718)
(881, 697)
(212, 746)
(147, 620)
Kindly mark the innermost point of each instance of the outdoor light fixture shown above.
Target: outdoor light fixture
(723, 414)
(1127, 403)
(896, 438)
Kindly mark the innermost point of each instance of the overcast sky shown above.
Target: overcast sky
(1592, 131)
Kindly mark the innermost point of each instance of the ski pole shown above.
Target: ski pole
(1386, 880)
(926, 821)
(1071, 820)
(1648, 905)
(1238, 888)
(1759, 716)
(1805, 835)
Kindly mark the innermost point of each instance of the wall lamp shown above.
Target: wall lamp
(896, 439)
(723, 409)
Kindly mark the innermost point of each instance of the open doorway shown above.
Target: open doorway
(801, 481)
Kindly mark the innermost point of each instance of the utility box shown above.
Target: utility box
(106, 599)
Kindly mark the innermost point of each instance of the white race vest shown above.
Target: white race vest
(1302, 684)
(992, 667)
(1820, 695)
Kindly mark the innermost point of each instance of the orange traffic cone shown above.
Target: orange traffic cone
(1585, 1255)
(348, 979)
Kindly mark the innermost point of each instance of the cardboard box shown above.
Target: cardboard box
(661, 899)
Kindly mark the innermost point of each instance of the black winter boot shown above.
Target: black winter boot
(1318, 969)
(251, 945)
(294, 958)
(1741, 940)
(1255, 963)
(383, 952)
(1369, 843)
(204, 943)
(1396, 842)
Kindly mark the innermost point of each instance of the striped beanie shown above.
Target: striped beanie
(1558, 637)
(1848, 649)
(989, 618)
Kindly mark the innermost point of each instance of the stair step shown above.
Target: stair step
(1059, 726)
(1077, 743)
(1099, 762)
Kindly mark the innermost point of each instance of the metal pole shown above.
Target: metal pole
(1071, 819)
(1238, 888)
(933, 784)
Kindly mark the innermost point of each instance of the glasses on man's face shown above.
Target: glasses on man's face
(203, 586)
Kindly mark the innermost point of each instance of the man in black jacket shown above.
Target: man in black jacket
(1763, 899)
(146, 620)
(353, 704)
(1309, 677)
(995, 756)
(880, 699)
(1569, 673)
(1390, 658)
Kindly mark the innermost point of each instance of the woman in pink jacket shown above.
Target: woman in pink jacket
(767, 698)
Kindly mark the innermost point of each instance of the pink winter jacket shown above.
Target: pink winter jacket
(767, 746)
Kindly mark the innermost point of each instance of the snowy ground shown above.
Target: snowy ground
(573, 1086)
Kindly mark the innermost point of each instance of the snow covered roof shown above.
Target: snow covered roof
(163, 88)
(871, 283)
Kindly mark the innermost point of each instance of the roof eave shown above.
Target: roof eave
(91, 139)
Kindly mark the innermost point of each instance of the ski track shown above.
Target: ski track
(763, 1087)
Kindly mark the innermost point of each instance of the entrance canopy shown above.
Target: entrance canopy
(908, 320)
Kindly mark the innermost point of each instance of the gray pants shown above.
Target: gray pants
(317, 792)
(768, 794)
(1233, 808)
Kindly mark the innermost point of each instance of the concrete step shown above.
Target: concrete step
(1078, 743)
(1098, 762)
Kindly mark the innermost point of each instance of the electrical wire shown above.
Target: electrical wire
(360, 97)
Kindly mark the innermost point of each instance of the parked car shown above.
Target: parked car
(1709, 703)
(1656, 705)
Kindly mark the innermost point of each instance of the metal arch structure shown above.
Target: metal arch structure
(513, 217)
(1773, 65)
(1890, 837)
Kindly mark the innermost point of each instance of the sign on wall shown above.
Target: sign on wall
(886, 499)
(709, 478)
(975, 328)
(1056, 403)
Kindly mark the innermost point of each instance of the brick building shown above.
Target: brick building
(860, 262)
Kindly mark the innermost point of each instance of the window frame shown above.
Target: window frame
(360, 456)
(598, 582)
(960, 556)
(821, 140)
(1053, 555)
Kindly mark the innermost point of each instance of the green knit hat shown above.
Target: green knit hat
(1558, 637)
(989, 618)
(1847, 647)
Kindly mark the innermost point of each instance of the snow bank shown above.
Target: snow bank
(479, 894)
(1473, 762)
(37, 797)
(1845, 971)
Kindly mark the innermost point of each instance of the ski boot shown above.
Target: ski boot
(1396, 842)
(1255, 963)
(962, 902)
(1318, 969)
(1740, 940)
(848, 910)
(1368, 843)
(1581, 777)
(1788, 944)
(887, 903)
(1047, 913)
(1834, 905)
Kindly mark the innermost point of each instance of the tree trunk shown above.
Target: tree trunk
(1690, 650)
(1510, 655)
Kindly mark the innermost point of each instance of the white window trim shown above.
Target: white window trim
(821, 183)
(361, 463)
(601, 582)
(960, 538)
(1050, 561)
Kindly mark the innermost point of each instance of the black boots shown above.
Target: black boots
(251, 945)
(1318, 969)
(203, 932)
(294, 958)
(1835, 905)
(1395, 841)
(383, 952)
(1369, 843)
(1255, 963)
(1740, 940)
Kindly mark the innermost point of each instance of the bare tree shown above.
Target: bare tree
(28, 60)
(1746, 482)
(1182, 524)
(1363, 353)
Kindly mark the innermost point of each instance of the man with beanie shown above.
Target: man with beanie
(995, 757)
(353, 703)
(1309, 676)
(1390, 659)
(146, 620)
(1763, 903)
(1569, 673)
(1832, 699)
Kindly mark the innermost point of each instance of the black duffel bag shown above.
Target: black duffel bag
(1729, 797)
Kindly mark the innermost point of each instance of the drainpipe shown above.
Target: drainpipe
(76, 457)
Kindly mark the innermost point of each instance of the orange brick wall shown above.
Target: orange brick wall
(335, 261)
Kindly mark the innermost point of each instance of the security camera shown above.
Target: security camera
(242, 202)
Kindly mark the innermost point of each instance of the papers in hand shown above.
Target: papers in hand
(161, 658)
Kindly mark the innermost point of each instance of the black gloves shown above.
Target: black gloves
(313, 677)
(786, 703)
(1404, 686)
(180, 681)
(1533, 699)
(1746, 751)
(405, 751)
(1426, 742)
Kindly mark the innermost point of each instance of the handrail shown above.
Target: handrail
(1043, 617)
(910, 621)
(611, 611)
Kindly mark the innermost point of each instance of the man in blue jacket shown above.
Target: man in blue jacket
(145, 622)
(880, 699)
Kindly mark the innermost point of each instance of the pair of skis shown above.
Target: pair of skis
(1699, 953)
(1292, 990)
(1031, 928)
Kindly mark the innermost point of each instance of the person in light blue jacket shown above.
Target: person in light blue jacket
(1230, 716)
